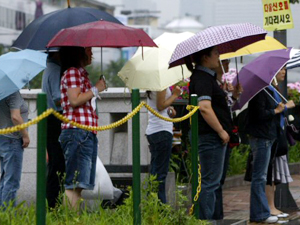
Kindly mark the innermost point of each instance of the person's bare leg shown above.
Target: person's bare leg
(73, 197)
(270, 193)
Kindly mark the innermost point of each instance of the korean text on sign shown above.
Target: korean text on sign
(277, 15)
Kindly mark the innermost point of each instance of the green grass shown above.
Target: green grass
(153, 212)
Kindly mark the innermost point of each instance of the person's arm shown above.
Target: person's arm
(17, 119)
(163, 103)
(211, 119)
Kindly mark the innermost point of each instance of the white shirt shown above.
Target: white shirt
(156, 124)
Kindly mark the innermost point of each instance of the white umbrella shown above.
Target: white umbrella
(152, 73)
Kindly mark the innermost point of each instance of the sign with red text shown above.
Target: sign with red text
(277, 15)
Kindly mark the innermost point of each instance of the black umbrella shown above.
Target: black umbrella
(40, 31)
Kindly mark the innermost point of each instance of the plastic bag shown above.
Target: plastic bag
(103, 188)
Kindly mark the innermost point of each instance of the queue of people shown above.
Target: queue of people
(74, 151)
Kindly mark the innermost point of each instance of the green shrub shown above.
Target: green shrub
(238, 160)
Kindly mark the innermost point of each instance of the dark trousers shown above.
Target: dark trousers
(56, 161)
(160, 148)
(218, 213)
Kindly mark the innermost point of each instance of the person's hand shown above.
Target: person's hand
(26, 141)
(176, 91)
(229, 87)
(238, 90)
(171, 112)
(224, 136)
(290, 104)
(280, 107)
(100, 85)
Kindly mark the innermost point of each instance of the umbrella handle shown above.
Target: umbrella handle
(271, 96)
(237, 72)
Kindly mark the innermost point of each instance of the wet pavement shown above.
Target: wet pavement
(236, 202)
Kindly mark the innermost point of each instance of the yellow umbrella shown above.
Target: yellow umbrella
(152, 73)
(269, 44)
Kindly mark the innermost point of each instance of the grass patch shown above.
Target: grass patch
(153, 212)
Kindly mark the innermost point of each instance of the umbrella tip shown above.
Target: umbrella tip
(69, 4)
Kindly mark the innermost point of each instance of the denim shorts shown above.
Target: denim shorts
(80, 151)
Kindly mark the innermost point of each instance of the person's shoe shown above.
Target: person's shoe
(282, 215)
(271, 219)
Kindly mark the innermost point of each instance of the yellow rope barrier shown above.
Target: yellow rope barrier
(99, 128)
(29, 123)
(198, 190)
(176, 120)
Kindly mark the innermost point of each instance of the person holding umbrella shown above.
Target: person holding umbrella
(278, 171)
(80, 146)
(215, 125)
(263, 128)
(160, 135)
(232, 94)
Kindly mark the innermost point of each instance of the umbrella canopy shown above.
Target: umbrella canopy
(40, 31)
(101, 34)
(295, 59)
(152, 73)
(259, 74)
(18, 68)
(228, 38)
(269, 44)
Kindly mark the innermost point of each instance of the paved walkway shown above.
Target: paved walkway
(237, 202)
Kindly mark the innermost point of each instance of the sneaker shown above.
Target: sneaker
(271, 219)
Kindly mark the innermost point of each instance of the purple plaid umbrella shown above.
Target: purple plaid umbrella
(258, 74)
(228, 38)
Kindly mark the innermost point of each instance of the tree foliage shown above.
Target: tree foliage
(294, 1)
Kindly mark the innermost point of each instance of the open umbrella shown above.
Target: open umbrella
(18, 68)
(228, 38)
(295, 60)
(268, 44)
(152, 73)
(259, 73)
(101, 34)
(40, 31)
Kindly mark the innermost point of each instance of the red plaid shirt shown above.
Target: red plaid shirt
(84, 114)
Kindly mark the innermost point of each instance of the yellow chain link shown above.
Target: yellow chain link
(198, 190)
(176, 120)
(25, 125)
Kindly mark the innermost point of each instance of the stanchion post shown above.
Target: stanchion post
(136, 186)
(41, 162)
(194, 129)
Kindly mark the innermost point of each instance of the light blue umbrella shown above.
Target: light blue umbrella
(18, 68)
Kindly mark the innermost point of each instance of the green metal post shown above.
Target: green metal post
(136, 186)
(41, 162)
(195, 155)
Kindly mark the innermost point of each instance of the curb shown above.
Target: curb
(238, 180)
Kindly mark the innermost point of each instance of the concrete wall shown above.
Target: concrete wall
(115, 145)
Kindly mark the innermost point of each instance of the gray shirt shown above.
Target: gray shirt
(51, 84)
(13, 101)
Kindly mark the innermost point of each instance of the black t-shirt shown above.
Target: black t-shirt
(206, 87)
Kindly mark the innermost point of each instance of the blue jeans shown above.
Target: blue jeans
(261, 149)
(160, 145)
(212, 156)
(80, 150)
(11, 159)
(219, 214)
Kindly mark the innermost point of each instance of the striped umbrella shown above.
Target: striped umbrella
(295, 59)
(228, 38)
